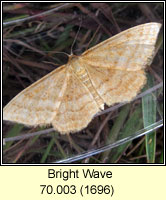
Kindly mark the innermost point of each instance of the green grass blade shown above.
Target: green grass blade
(133, 124)
(13, 132)
(64, 36)
(60, 152)
(149, 117)
(47, 151)
(161, 158)
(116, 128)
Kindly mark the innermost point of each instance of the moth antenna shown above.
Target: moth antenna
(93, 37)
(62, 52)
(76, 36)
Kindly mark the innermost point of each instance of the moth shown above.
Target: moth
(108, 73)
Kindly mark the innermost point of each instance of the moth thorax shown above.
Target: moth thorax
(77, 68)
